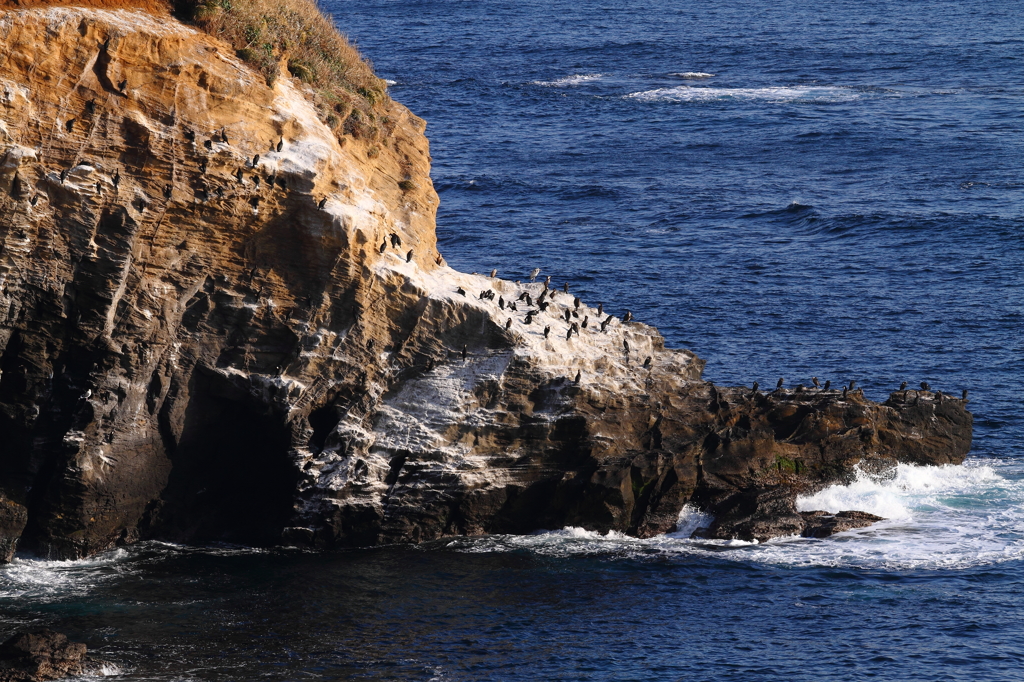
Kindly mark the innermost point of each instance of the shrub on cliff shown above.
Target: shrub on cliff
(273, 34)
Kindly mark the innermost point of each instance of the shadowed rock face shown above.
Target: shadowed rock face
(194, 357)
(42, 655)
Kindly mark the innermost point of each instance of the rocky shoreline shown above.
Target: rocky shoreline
(223, 320)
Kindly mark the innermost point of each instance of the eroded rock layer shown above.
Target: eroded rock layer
(219, 320)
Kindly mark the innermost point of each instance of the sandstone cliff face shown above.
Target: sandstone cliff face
(198, 344)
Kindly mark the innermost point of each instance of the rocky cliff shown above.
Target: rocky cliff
(223, 319)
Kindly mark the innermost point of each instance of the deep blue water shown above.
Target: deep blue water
(843, 197)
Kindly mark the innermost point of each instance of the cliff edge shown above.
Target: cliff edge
(223, 317)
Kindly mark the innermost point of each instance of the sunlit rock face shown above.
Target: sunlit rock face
(220, 320)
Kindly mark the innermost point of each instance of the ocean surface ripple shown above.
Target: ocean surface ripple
(786, 189)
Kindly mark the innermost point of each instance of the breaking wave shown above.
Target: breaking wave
(948, 517)
(568, 81)
(693, 75)
(799, 93)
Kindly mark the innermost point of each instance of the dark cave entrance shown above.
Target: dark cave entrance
(232, 479)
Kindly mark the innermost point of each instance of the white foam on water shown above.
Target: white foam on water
(797, 93)
(569, 81)
(948, 517)
(390, 82)
(693, 75)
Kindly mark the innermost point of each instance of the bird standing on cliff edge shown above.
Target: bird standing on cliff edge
(925, 386)
(508, 324)
(280, 144)
(828, 384)
(408, 256)
(547, 330)
(384, 246)
(628, 317)
(396, 241)
(647, 362)
(625, 345)
(579, 375)
(778, 386)
(754, 390)
(534, 273)
(814, 380)
(464, 352)
(494, 273)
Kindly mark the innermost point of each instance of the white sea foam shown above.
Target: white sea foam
(390, 82)
(946, 517)
(798, 93)
(693, 75)
(568, 81)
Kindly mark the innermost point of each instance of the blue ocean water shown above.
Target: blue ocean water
(788, 189)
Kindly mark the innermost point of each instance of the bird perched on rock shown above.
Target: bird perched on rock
(625, 345)
(208, 144)
(512, 305)
(778, 386)
(575, 329)
(534, 273)
(464, 353)
(547, 330)
(69, 125)
(255, 160)
(543, 305)
(494, 273)
(576, 302)
(604, 325)
(853, 384)
(756, 385)
(566, 287)
(224, 136)
(547, 282)
(568, 333)
(461, 291)
(579, 375)
(600, 309)
(408, 256)
(270, 181)
(799, 388)
(529, 317)
(202, 167)
(63, 175)
(99, 189)
(584, 322)
(529, 299)
(167, 191)
(568, 316)
(501, 302)
(964, 396)
(483, 294)
(256, 181)
(814, 380)
(647, 362)
(384, 246)
(521, 296)
(628, 317)
(239, 175)
(280, 144)
(508, 324)
(396, 241)
(845, 389)
(828, 384)
(903, 386)
(35, 199)
(925, 386)
(117, 177)
(938, 397)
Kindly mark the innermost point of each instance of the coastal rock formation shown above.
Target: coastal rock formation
(223, 319)
(42, 655)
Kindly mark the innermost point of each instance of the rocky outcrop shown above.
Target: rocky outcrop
(221, 319)
(42, 655)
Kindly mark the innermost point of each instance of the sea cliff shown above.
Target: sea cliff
(223, 317)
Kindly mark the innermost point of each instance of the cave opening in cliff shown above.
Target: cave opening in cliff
(231, 479)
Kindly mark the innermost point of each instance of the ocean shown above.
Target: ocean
(787, 189)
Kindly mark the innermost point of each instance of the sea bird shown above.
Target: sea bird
(925, 386)
(828, 384)
(814, 380)
(778, 386)
(396, 241)
(845, 389)
(464, 352)
(964, 397)
(568, 333)
(647, 362)
(460, 290)
(255, 160)
(566, 287)
(576, 302)
(579, 375)
(494, 273)
(384, 246)
(754, 390)
(280, 144)
(534, 273)
(625, 345)
(547, 330)
(508, 324)
(584, 322)
(408, 256)
(501, 302)
(903, 386)
(600, 309)
(853, 383)
(628, 317)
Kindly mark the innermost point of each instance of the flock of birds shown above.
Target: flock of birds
(925, 388)
(547, 295)
(544, 300)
